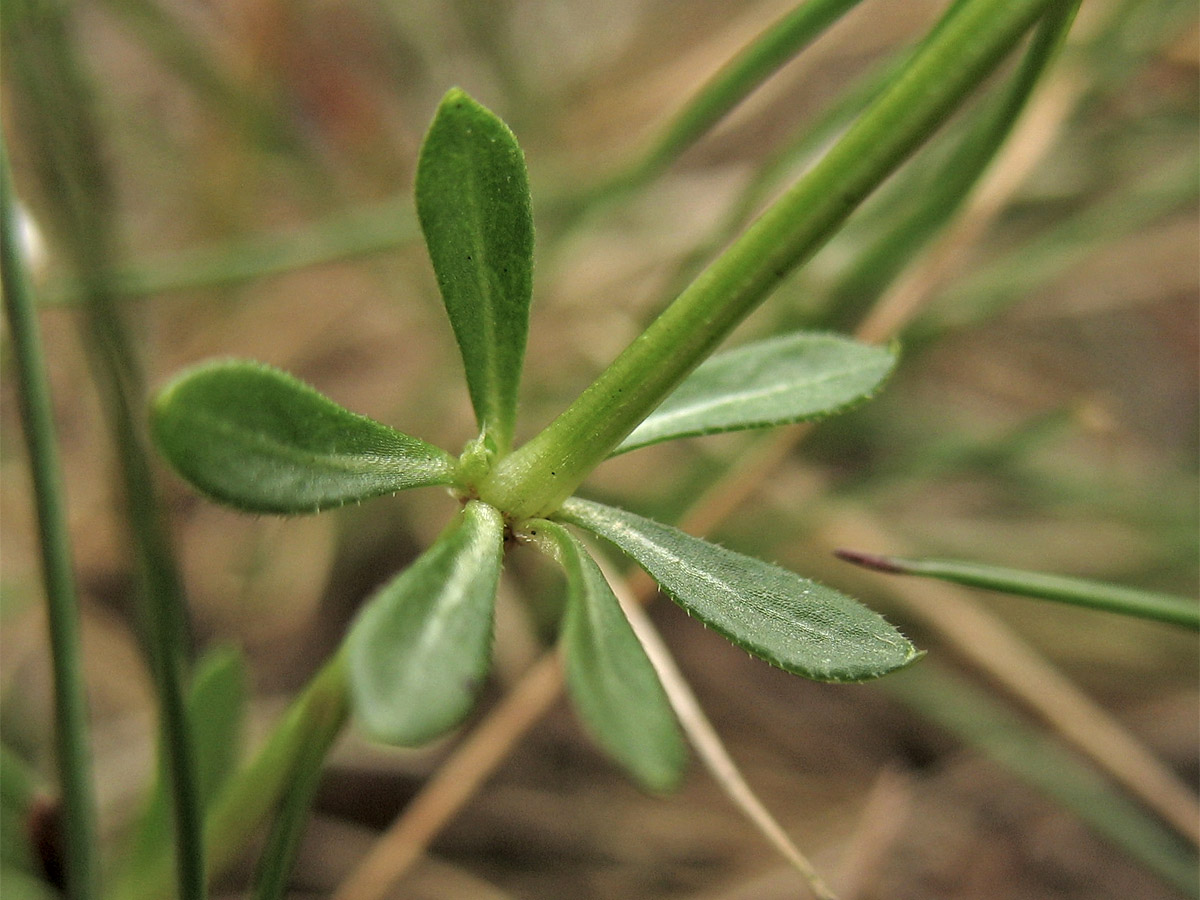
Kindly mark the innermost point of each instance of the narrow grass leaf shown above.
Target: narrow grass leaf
(781, 42)
(260, 440)
(1061, 588)
(791, 622)
(474, 207)
(777, 381)
(611, 681)
(420, 649)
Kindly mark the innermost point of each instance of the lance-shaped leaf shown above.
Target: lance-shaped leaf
(260, 440)
(420, 649)
(612, 683)
(474, 207)
(789, 621)
(777, 381)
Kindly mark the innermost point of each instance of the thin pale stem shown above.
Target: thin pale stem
(709, 746)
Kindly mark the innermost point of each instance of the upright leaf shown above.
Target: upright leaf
(789, 621)
(772, 382)
(260, 440)
(420, 649)
(611, 681)
(474, 207)
(216, 705)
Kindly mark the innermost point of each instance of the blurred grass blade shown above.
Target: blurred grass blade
(234, 102)
(420, 649)
(930, 195)
(611, 681)
(72, 741)
(355, 233)
(737, 79)
(791, 622)
(1075, 591)
(979, 720)
(216, 707)
(59, 111)
(260, 440)
(777, 381)
(474, 207)
(1133, 206)
(284, 838)
(237, 814)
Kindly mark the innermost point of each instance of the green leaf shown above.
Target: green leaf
(420, 649)
(216, 705)
(611, 681)
(789, 621)
(258, 439)
(474, 206)
(773, 382)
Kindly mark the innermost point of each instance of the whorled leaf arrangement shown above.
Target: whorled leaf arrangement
(259, 440)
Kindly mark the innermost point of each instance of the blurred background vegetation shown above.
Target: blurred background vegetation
(259, 159)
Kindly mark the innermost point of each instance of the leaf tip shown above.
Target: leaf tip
(875, 561)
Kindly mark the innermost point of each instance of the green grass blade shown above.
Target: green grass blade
(930, 199)
(238, 105)
(778, 381)
(980, 721)
(260, 440)
(737, 79)
(60, 117)
(420, 649)
(1076, 591)
(72, 740)
(610, 679)
(356, 233)
(474, 207)
(791, 622)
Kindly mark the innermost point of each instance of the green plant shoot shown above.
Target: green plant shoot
(258, 439)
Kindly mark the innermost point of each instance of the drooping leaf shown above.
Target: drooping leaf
(789, 621)
(420, 649)
(777, 381)
(260, 440)
(474, 206)
(611, 681)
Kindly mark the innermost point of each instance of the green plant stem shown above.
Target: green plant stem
(536, 478)
(70, 700)
(315, 718)
(56, 105)
(1076, 591)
